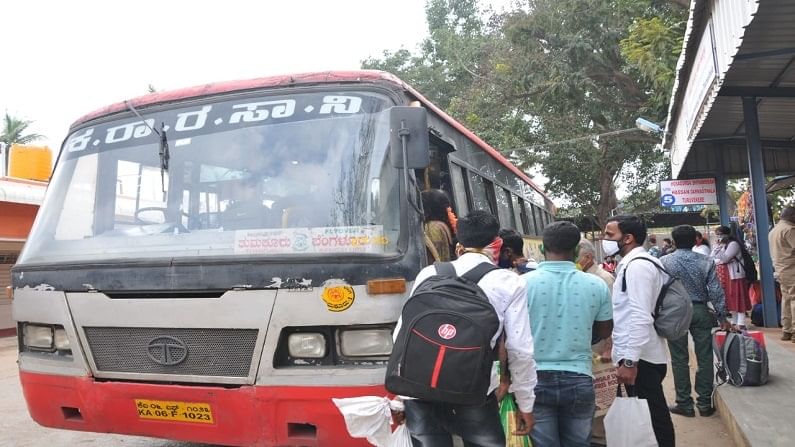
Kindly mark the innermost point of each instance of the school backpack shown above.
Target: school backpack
(748, 265)
(741, 361)
(443, 349)
(673, 310)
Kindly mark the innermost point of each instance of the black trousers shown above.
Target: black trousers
(648, 385)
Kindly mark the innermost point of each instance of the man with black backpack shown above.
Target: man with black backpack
(638, 350)
(445, 344)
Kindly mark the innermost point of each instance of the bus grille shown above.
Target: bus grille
(199, 352)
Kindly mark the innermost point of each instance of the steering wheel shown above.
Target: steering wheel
(138, 212)
(178, 225)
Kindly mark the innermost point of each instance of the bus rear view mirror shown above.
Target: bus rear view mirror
(408, 126)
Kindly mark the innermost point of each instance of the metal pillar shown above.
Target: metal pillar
(756, 170)
(720, 187)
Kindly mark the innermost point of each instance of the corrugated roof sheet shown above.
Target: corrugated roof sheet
(772, 29)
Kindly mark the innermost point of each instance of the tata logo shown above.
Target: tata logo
(446, 331)
(167, 351)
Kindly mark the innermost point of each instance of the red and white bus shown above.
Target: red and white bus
(214, 264)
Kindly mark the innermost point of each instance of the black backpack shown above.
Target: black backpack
(443, 350)
(748, 265)
(741, 361)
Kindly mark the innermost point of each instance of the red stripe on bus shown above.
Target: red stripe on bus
(437, 368)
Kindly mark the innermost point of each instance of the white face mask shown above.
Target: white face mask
(610, 248)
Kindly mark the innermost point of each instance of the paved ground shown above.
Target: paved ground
(697, 431)
(18, 430)
(760, 416)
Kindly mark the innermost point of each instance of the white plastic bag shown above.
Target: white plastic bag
(628, 423)
(367, 417)
(400, 437)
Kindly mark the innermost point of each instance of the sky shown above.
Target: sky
(66, 59)
(70, 58)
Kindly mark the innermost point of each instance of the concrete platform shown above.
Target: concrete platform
(764, 415)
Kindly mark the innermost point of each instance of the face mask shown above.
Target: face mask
(611, 248)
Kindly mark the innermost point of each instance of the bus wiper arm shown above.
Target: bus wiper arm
(162, 149)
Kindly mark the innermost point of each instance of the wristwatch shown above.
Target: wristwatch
(627, 363)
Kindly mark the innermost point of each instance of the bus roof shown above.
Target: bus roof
(324, 77)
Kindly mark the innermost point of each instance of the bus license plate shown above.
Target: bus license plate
(166, 410)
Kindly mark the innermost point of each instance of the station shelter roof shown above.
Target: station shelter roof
(733, 49)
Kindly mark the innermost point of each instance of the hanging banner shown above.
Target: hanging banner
(688, 192)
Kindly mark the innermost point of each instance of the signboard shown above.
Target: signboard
(688, 192)
(357, 239)
(701, 84)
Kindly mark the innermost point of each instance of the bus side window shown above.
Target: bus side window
(482, 193)
(504, 208)
(538, 216)
(527, 218)
(437, 174)
(460, 189)
(518, 217)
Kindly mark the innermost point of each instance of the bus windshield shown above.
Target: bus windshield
(290, 175)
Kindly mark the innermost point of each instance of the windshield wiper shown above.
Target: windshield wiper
(162, 149)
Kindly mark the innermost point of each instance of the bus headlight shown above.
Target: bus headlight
(61, 340)
(308, 345)
(37, 337)
(366, 342)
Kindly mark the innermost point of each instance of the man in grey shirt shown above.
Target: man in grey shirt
(697, 273)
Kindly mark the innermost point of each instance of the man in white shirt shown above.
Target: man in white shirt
(431, 424)
(638, 351)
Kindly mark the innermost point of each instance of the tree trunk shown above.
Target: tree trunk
(607, 196)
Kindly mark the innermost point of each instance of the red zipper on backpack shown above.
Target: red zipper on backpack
(437, 367)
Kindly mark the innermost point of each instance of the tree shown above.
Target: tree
(552, 71)
(14, 131)
(572, 75)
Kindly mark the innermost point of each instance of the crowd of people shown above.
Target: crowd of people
(571, 308)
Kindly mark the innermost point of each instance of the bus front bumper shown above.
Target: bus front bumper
(246, 415)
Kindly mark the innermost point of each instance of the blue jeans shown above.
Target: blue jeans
(431, 424)
(564, 408)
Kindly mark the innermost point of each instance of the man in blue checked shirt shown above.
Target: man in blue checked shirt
(697, 273)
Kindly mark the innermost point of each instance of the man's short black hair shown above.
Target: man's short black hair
(684, 236)
(513, 240)
(561, 237)
(630, 224)
(478, 229)
(667, 240)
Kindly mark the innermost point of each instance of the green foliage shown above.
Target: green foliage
(652, 47)
(14, 131)
(550, 71)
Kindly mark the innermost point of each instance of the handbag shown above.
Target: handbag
(508, 414)
(628, 422)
